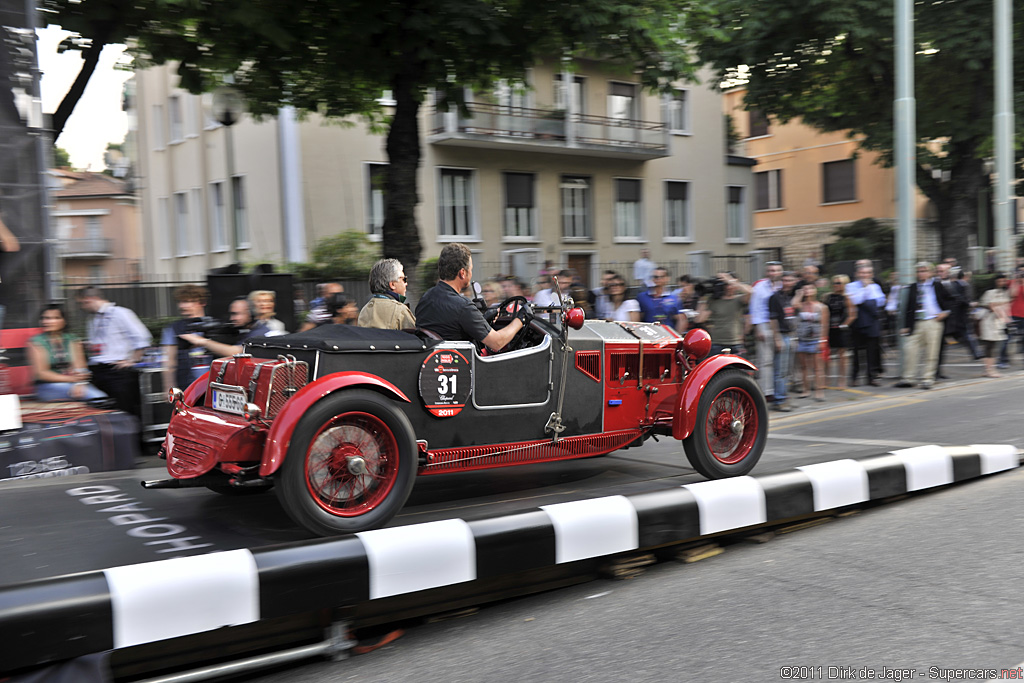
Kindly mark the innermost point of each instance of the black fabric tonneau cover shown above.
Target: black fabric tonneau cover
(345, 338)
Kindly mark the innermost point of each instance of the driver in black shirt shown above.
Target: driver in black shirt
(445, 312)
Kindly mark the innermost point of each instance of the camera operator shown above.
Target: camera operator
(234, 335)
(184, 361)
(722, 312)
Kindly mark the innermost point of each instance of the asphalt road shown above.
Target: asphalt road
(922, 589)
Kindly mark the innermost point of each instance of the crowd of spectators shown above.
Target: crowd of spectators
(799, 327)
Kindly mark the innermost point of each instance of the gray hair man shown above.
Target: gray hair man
(386, 309)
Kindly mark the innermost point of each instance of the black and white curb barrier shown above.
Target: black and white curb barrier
(65, 617)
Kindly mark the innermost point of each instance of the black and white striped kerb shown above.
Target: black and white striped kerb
(65, 617)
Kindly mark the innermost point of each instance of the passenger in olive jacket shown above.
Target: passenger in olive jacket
(386, 308)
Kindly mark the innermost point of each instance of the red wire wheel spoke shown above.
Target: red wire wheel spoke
(731, 406)
(351, 464)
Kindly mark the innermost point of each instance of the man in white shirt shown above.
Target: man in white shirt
(643, 269)
(765, 329)
(869, 299)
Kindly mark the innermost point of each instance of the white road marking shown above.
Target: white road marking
(848, 442)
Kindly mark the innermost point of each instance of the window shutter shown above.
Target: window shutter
(676, 191)
(519, 190)
(627, 190)
(623, 89)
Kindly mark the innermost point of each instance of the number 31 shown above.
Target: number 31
(444, 380)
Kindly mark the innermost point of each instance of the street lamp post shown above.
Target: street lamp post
(228, 107)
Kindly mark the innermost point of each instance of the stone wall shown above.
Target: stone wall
(802, 242)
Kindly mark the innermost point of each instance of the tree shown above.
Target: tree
(336, 58)
(61, 158)
(864, 238)
(831, 63)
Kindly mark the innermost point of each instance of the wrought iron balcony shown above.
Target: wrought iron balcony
(86, 248)
(498, 127)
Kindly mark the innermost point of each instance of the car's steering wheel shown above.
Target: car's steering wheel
(507, 311)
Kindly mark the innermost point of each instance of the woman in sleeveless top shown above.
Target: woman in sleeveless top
(811, 337)
(841, 312)
(58, 362)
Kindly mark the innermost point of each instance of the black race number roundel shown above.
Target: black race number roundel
(446, 379)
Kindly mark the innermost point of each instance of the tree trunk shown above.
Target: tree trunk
(956, 202)
(401, 234)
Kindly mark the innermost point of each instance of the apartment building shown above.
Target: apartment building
(579, 167)
(807, 183)
(96, 219)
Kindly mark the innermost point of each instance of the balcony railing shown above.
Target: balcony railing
(86, 247)
(496, 126)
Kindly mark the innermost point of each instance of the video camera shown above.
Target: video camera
(214, 329)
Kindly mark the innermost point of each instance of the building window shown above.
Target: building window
(561, 101)
(181, 223)
(622, 101)
(218, 215)
(627, 209)
(158, 126)
(520, 211)
(163, 226)
(191, 116)
(736, 214)
(174, 114)
(758, 123)
(677, 211)
(376, 181)
(241, 211)
(678, 111)
(198, 229)
(456, 203)
(94, 227)
(575, 207)
(838, 181)
(768, 190)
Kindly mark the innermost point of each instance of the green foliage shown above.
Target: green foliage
(876, 239)
(61, 158)
(348, 255)
(847, 249)
(427, 274)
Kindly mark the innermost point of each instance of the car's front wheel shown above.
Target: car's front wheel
(350, 465)
(731, 427)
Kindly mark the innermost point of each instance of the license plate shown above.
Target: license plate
(229, 400)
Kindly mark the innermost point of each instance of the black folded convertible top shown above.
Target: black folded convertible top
(338, 338)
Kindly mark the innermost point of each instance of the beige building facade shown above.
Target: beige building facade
(808, 183)
(583, 176)
(97, 228)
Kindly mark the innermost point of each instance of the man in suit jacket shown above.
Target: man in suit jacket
(928, 305)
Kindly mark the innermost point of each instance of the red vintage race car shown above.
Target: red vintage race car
(341, 420)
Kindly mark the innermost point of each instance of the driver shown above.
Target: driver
(443, 311)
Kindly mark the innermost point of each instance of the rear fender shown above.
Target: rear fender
(284, 424)
(686, 408)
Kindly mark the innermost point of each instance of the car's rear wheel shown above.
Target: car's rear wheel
(350, 465)
(731, 427)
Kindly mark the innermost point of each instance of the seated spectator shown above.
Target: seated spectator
(614, 306)
(263, 304)
(344, 311)
(58, 361)
(318, 311)
(386, 309)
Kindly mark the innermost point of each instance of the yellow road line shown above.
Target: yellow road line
(796, 421)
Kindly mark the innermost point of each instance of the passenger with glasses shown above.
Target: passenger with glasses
(386, 309)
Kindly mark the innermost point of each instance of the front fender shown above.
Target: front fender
(686, 407)
(196, 390)
(284, 424)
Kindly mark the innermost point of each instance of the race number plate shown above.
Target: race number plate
(228, 399)
(446, 380)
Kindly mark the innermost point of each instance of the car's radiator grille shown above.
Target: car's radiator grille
(623, 365)
(189, 457)
(480, 457)
(285, 380)
(656, 364)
